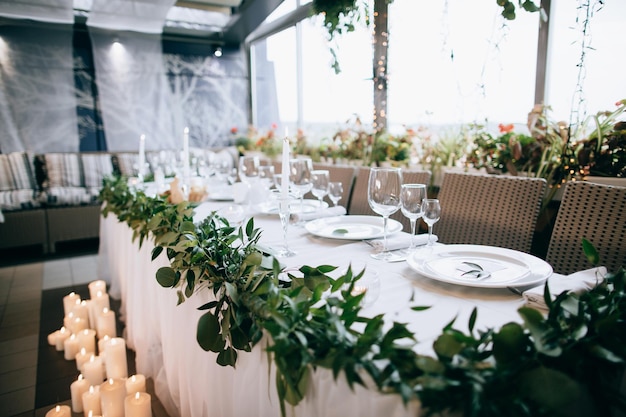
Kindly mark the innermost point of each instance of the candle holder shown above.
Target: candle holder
(284, 213)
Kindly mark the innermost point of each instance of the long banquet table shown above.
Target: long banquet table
(189, 383)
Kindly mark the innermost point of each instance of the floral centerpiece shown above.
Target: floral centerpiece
(266, 143)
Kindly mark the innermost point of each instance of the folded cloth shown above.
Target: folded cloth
(317, 214)
(400, 240)
(578, 283)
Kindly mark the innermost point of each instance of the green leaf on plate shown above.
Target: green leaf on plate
(340, 231)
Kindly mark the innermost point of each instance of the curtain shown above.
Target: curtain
(54, 11)
(147, 16)
(133, 91)
(38, 110)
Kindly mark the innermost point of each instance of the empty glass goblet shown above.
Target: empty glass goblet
(383, 196)
(335, 192)
(320, 179)
(300, 178)
(411, 198)
(431, 214)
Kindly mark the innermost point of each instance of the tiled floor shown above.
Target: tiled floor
(22, 354)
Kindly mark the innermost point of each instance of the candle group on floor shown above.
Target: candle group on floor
(88, 336)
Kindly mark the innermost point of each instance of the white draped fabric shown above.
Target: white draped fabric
(133, 90)
(191, 384)
(146, 16)
(54, 11)
(38, 110)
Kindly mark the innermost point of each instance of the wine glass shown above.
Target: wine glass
(335, 192)
(249, 174)
(411, 198)
(383, 195)
(431, 213)
(266, 176)
(320, 179)
(300, 178)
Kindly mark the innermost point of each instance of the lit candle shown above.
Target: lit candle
(82, 357)
(77, 389)
(93, 371)
(99, 302)
(79, 324)
(71, 347)
(136, 383)
(52, 338)
(68, 320)
(95, 286)
(115, 364)
(80, 309)
(284, 181)
(106, 323)
(60, 342)
(112, 395)
(138, 405)
(142, 155)
(186, 173)
(69, 301)
(87, 340)
(102, 344)
(91, 401)
(60, 411)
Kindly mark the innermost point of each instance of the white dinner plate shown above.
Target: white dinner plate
(222, 194)
(308, 206)
(480, 266)
(352, 227)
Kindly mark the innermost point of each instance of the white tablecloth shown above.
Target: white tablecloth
(188, 381)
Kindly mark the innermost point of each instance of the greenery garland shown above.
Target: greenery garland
(569, 361)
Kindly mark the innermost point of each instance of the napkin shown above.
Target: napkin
(578, 283)
(401, 240)
(317, 214)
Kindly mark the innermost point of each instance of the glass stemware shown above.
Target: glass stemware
(431, 214)
(300, 178)
(411, 198)
(284, 214)
(266, 176)
(320, 179)
(383, 196)
(335, 192)
(249, 174)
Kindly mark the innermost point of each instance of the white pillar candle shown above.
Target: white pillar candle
(71, 348)
(91, 401)
(142, 156)
(78, 324)
(68, 320)
(60, 411)
(100, 301)
(186, 171)
(63, 334)
(81, 357)
(93, 370)
(87, 340)
(138, 405)
(77, 389)
(80, 310)
(102, 342)
(106, 323)
(52, 338)
(136, 383)
(116, 366)
(69, 301)
(95, 286)
(112, 395)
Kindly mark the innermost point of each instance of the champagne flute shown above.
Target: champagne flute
(431, 214)
(300, 178)
(411, 198)
(335, 192)
(383, 196)
(320, 179)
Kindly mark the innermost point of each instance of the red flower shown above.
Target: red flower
(274, 126)
(506, 128)
(234, 130)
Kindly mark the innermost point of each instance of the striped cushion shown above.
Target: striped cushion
(63, 170)
(6, 177)
(23, 170)
(95, 168)
(18, 200)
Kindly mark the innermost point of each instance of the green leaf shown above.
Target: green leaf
(509, 344)
(549, 388)
(590, 252)
(166, 276)
(447, 346)
(227, 357)
(208, 333)
(156, 252)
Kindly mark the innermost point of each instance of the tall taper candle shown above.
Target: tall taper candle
(284, 181)
(186, 171)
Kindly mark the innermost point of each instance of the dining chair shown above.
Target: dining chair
(339, 173)
(493, 210)
(595, 212)
(358, 200)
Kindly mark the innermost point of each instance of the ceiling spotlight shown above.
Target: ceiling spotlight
(218, 52)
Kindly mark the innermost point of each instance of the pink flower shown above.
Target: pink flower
(506, 128)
